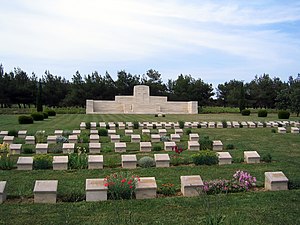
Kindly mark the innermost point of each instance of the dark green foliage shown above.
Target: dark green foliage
(283, 114)
(42, 162)
(293, 184)
(181, 124)
(163, 115)
(83, 138)
(229, 146)
(224, 123)
(45, 115)
(205, 157)
(205, 143)
(188, 131)
(262, 113)
(102, 132)
(135, 125)
(167, 189)
(78, 161)
(39, 104)
(273, 130)
(267, 158)
(37, 116)
(88, 125)
(245, 112)
(13, 133)
(27, 150)
(25, 120)
(51, 112)
(156, 115)
(156, 148)
(107, 126)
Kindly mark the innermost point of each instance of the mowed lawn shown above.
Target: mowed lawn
(255, 207)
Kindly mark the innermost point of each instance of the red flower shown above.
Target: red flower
(130, 187)
(106, 185)
(123, 181)
(129, 182)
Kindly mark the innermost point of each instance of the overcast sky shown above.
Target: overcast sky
(213, 40)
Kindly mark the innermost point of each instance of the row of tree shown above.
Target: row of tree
(17, 87)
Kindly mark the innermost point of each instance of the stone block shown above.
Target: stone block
(146, 188)
(281, 130)
(219, 125)
(120, 147)
(93, 125)
(251, 157)
(95, 162)
(193, 146)
(115, 138)
(211, 125)
(176, 125)
(135, 138)
(45, 191)
(158, 125)
(294, 130)
(224, 158)
(155, 138)
(82, 126)
(30, 140)
(168, 126)
(203, 125)
(15, 149)
(276, 181)
(149, 126)
(121, 125)
(235, 124)
(95, 190)
(179, 131)
(51, 139)
(94, 148)
(129, 124)
(169, 145)
(195, 124)
(68, 148)
(229, 125)
(76, 132)
(175, 137)
(146, 131)
(2, 191)
(93, 132)
(102, 124)
(41, 148)
(73, 139)
(94, 138)
(187, 125)
(128, 132)
(217, 145)
(162, 160)
(251, 124)
(3, 133)
(58, 133)
(111, 132)
(60, 162)
(194, 137)
(8, 140)
(112, 125)
(191, 185)
(25, 163)
(22, 133)
(162, 132)
(145, 146)
(260, 125)
(129, 161)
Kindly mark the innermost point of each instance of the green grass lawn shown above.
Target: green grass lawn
(256, 207)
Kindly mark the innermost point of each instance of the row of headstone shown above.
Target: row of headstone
(45, 191)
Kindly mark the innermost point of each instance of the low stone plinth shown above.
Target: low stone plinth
(158, 125)
(58, 133)
(30, 140)
(179, 131)
(251, 157)
(102, 124)
(229, 125)
(176, 126)
(150, 126)
(211, 125)
(175, 137)
(235, 124)
(194, 137)
(195, 124)
(51, 139)
(260, 125)
(168, 126)
(2, 191)
(155, 138)
(193, 146)
(169, 145)
(224, 158)
(274, 124)
(94, 148)
(191, 185)
(135, 138)
(82, 126)
(129, 161)
(25, 163)
(93, 132)
(95, 162)
(15, 149)
(276, 181)
(95, 190)
(294, 130)
(94, 138)
(111, 132)
(112, 125)
(281, 130)
(68, 148)
(121, 125)
(146, 188)
(268, 124)
(203, 125)
(45, 191)
(187, 125)
(162, 132)
(22, 133)
(128, 132)
(115, 138)
(8, 140)
(145, 146)
(146, 131)
(162, 160)
(76, 132)
(219, 125)
(251, 124)
(3, 133)
(41, 148)
(73, 139)
(129, 124)
(93, 125)
(217, 145)
(60, 162)
(120, 147)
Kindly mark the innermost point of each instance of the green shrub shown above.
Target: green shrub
(25, 120)
(224, 123)
(262, 113)
(283, 114)
(146, 162)
(6, 162)
(107, 126)
(181, 124)
(273, 130)
(229, 146)
(156, 148)
(37, 116)
(42, 162)
(156, 115)
(103, 132)
(267, 158)
(45, 115)
(205, 143)
(62, 139)
(83, 138)
(167, 189)
(27, 150)
(135, 125)
(88, 125)
(154, 126)
(78, 161)
(293, 184)
(245, 112)
(51, 112)
(13, 133)
(40, 136)
(188, 131)
(205, 157)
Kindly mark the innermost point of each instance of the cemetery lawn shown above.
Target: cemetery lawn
(254, 207)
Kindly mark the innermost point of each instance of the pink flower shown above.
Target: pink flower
(106, 185)
(123, 181)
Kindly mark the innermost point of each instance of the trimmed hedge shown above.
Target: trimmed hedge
(205, 157)
(245, 112)
(25, 120)
(262, 113)
(45, 115)
(283, 114)
(51, 112)
(37, 116)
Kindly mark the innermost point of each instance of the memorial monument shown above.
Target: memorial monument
(141, 103)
